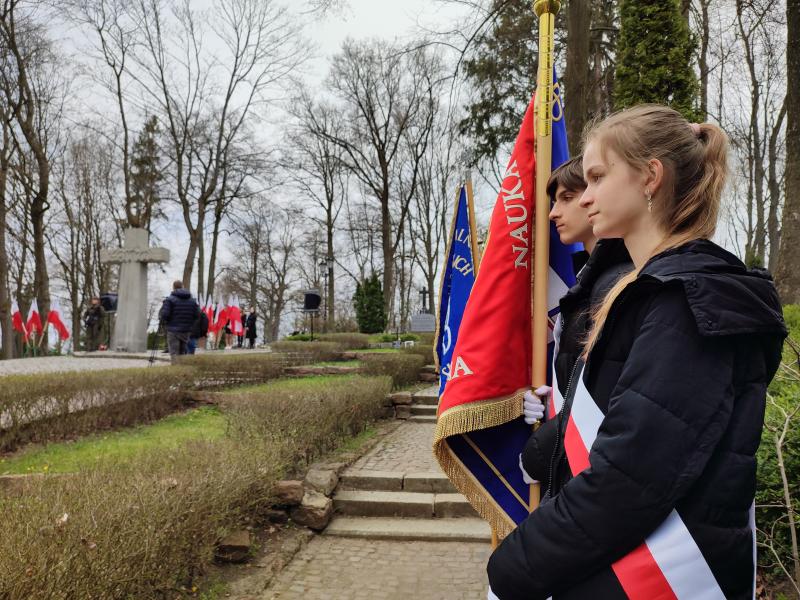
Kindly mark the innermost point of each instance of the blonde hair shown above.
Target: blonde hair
(686, 205)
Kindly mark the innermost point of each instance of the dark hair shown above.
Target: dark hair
(177, 284)
(568, 175)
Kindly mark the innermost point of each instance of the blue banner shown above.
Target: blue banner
(457, 280)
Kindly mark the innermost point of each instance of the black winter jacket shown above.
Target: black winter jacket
(680, 375)
(607, 263)
(179, 311)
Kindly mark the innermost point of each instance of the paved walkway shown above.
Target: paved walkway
(332, 568)
(372, 567)
(58, 364)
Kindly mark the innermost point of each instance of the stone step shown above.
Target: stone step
(401, 504)
(433, 530)
(390, 481)
(423, 409)
(429, 395)
(423, 419)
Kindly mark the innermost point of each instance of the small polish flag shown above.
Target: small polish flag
(54, 318)
(34, 323)
(17, 321)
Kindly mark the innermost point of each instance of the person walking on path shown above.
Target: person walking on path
(178, 313)
(250, 328)
(666, 413)
(93, 319)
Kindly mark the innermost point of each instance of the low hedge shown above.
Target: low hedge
(347, 341)
(44, 407)
(404, 369)
(426, 352)
(228, 369)
(309, 352)
(146, 530)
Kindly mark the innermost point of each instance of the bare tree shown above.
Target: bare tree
(261, 47)
(321, 175)
(6, 331)
(31, 95)
(388, 98)
(787, 274)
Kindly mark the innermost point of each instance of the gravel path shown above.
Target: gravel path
(57, 364)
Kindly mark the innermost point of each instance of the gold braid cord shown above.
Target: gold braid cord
(464, 419)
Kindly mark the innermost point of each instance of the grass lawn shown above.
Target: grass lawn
(289, 384)
(339, 363)
(205, 423)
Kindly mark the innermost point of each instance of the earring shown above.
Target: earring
(649, 199)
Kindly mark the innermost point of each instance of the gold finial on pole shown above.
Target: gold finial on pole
(546, 12)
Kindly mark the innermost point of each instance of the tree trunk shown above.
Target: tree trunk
(787, 275)
(388, 258)
(212, 261)
(703, 58)
(329, 260)
(576, 76)
(6, 330)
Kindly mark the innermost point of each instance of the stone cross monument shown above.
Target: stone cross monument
(130, 331)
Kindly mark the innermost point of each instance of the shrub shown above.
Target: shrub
(228, 369)
(145, 530)
(298, 337)
(424, 351)
(368, 303)
(46, 407)
(772, 514)
(404, 369)
(404, 337)
(339, 407)
(308, 352)
(347, 341)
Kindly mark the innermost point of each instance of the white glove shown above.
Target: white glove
(533, 403)
(491, 595)
(525, 477)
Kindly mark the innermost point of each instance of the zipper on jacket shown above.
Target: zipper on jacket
(558, 428)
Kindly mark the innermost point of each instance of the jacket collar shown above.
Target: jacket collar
(725, 297)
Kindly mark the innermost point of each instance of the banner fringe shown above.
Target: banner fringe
(465, 419)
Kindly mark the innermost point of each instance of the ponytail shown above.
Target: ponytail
(687, 203)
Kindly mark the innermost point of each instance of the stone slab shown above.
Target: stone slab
(447, 506)
(322, 480)
(449, 530)
(423, 409)
(428, 482)
(422, 419)
(384, 504)
(387, 481)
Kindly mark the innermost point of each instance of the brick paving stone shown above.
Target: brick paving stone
(407, 449)
(331, 568)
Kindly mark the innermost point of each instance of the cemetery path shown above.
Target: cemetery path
(400, 530)
(59, 364)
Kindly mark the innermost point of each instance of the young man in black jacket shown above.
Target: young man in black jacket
(543, 459)
(178, 313)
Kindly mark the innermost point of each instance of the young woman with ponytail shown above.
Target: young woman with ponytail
(662, 425)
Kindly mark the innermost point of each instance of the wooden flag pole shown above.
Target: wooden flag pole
(546, 11)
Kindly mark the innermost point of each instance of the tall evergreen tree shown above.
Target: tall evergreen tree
(146, 176)
(654, 57)
(368, 302)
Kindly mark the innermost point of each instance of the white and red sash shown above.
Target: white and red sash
(556, 400)
(669, 564)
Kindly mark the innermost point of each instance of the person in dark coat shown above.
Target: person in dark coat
(93, 319)
(666, 413)
(178, 313)
(250, 327)
(198, 332)
(608, 261)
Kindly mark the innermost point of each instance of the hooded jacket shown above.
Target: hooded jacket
(179, 311)
(678, 381)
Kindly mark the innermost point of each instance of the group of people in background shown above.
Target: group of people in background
(187, 324)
